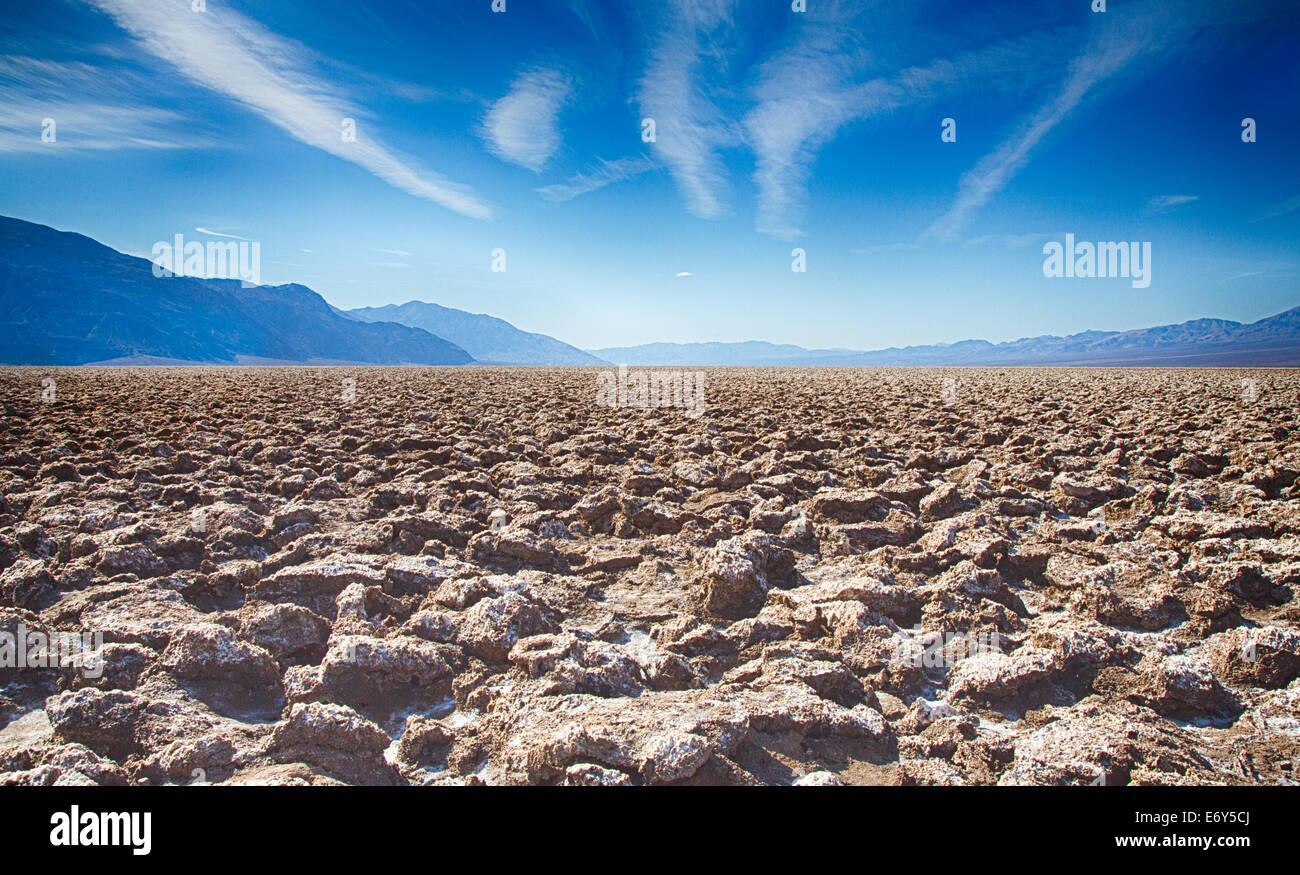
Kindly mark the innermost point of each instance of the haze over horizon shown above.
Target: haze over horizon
(821, 130)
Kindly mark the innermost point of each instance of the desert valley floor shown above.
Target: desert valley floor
(478, 575)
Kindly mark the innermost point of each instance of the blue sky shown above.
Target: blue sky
(775, 129)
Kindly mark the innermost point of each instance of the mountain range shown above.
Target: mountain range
(489, 339)
(1270, 342)
(66, 299)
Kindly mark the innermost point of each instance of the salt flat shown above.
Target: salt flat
(463, 575)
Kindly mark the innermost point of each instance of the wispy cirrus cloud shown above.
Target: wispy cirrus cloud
(1150, 28)
(1010, 241)
(885, 247)
(220, 234)
(97, 119)
(1168, 202)
(689, 126)
(602, 174)
(92, 127)
(523, 126)
(1290, 205)
(995, 170)
(1263, 269)
(808, 91)
(275, 77)
(803, 98)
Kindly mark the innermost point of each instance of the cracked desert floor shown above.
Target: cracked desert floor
(478, 575)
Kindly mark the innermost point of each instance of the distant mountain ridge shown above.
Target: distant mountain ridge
(748, 352)
(1270, 342)
(488, 339)
(66, 299)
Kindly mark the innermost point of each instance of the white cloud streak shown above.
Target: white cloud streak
(1290, 205)
(523, 126)
(597, 177)
(235, 56)
(996, 169)
(885, 247)
(33, 90)
(220, 234)
(1010, 241)
(1149, 28)
(689, 127)
(806, 95)
(1167, 202)
(803, 98)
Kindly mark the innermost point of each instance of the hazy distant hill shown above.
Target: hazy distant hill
(749, 352)
(1274, 341)
(487, 338)
(66, 299)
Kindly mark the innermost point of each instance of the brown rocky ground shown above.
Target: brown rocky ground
(477, 575)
